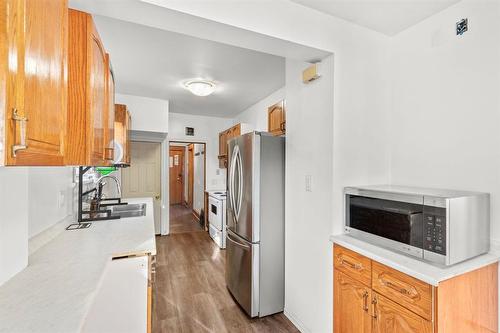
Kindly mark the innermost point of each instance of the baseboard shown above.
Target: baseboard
(196, 214)
(44, 237)
(296, 322)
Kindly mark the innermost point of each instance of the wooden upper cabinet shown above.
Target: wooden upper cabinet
(128, 126)
(227, 135)
(33, 85)
(109, 137)
(88, 100)
(122, 133)
(276, 118)
(352, 304)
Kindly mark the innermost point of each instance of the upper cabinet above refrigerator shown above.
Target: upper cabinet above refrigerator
(276, 119)
(33, 84)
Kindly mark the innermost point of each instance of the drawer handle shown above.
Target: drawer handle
(402, 290)
(356, 266)
(365, 301)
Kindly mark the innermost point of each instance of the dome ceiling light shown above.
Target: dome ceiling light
(200, 87)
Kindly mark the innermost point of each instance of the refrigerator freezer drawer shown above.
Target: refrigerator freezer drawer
(242, 272)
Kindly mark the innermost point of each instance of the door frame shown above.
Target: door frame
(158, 137)
(190, 170)
(183, 172)
(168, 142)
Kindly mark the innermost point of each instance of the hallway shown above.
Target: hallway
(190, 292)
(183, 220)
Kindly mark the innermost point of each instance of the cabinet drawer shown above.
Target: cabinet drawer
(405, 290)
(352, 264)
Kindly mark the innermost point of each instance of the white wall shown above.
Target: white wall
(309, 141)
(50, 197)
(148, 114)
(13, 221)
(256, 115)
(206, 130)
(445, 122)
(199, 178)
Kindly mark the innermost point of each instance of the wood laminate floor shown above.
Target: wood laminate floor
(183, 220)
(190, 292)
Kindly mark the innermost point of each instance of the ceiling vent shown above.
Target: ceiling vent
(311, 73)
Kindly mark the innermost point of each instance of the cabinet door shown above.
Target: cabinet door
(351, 305)
(236, 131)
(36, 81)
(110, 115)
(128, 128)
(223, 143)
(390, 317)
(97, 98)
(276, 119)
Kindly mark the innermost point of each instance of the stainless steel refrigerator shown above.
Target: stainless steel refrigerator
(255, 239)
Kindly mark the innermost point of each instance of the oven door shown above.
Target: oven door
(215, 210)
(390, 223)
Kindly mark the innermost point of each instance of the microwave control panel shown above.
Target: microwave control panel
(435, 233)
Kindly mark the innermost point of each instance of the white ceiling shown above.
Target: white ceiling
(386, 16)
(153, 63)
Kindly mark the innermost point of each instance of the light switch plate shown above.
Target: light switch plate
(308, 183)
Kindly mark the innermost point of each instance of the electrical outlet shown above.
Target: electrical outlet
(217, 172)
(308, 183)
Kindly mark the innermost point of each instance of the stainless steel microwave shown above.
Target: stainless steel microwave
(441, 226)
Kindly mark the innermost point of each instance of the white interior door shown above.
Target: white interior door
(143, 177)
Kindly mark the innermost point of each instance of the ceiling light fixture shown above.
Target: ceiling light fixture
(200, 87)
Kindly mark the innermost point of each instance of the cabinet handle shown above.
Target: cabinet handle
(374, 307)
(365, 301)
(22, 124)
(282, 126)
(355, 266)
(410, 293)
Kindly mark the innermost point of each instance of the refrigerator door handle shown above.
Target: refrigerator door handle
(240, 183)
(245, 246)
(232, 200)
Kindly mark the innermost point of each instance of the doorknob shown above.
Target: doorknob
(157, 197)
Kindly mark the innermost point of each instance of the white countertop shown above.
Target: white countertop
(54, 293)
(418, 269)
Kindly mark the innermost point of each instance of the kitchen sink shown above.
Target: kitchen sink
(128, 210)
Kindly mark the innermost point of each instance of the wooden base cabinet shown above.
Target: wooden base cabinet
(392, 302)
(33, 81)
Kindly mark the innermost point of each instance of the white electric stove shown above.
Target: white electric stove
(217, 217)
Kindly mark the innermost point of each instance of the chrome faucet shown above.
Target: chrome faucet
(100, 185)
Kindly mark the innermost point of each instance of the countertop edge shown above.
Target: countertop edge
(418, 269)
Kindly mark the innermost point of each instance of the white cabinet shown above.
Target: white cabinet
(122, 301)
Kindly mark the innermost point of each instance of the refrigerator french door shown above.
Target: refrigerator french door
(255, 222)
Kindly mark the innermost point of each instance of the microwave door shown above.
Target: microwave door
(391, 220)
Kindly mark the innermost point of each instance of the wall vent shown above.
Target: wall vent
(190, 131)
